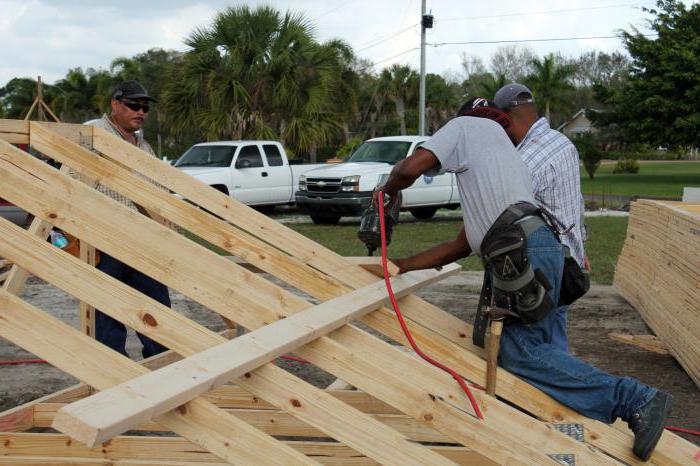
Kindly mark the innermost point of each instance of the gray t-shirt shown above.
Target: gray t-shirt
(489, 171)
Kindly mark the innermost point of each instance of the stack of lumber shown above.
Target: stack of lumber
(658, 272)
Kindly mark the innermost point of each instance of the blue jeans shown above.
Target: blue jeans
(111, 332)
(559, 338)
(531, 352)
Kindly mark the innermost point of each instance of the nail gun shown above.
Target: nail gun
(370, 228)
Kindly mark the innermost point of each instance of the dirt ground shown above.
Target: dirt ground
(600, 312)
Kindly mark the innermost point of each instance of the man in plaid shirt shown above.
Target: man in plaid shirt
(129, 109)
(553, 163)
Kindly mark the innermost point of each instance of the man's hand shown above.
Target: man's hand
(401, 264)
(586, 264)
(389, 198)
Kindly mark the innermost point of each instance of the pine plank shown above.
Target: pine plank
(113, 411)
(63, 347)
(647, 342)
(56, 449)
(274, 422)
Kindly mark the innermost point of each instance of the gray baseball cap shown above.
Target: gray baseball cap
(507, 96)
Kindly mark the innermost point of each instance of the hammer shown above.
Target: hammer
(492, 355)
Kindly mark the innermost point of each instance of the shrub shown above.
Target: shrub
(629, 166)
(589, 151)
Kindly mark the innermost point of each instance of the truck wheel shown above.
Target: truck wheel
(423, 213)
(325, 219)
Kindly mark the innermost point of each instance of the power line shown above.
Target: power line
(552, 39)
(389, 58)
(335, 8)
(386, 38)
(527, 13)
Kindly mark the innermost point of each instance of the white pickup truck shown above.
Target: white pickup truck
(330, 192)
(256, 173)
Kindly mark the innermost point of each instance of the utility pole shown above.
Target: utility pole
(426, 22)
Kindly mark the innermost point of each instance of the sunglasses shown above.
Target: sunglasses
(135, 106)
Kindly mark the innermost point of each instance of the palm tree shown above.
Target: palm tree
(400, 83)
(490, 84)
(441, 102)
(83, 95)
(257, 73)
(549, 81)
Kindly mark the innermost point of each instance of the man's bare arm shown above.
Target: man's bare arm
(408, 170)
(442, 254)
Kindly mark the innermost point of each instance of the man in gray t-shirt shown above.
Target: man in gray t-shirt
(492, 177)
(490, 173)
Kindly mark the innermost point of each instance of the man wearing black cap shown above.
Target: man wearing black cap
(524, 261)
(129, 108)
(553, 163)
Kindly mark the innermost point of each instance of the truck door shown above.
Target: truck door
(428, 190)
(279, 174)
(251, 178)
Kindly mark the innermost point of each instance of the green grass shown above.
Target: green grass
(606, 235)
(657, 179)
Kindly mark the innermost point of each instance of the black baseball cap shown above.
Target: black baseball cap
(131, 89)
(512, 95)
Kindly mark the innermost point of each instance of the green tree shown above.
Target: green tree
(17, 96)
(257, 73)
(589, 149)
(549, 82)
(400, 82)
(441, 102)
(81, 96)
(658, 103)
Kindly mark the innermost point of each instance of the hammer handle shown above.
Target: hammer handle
(492, 356)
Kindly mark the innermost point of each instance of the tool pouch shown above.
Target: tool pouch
(575, 280)
(509, 280)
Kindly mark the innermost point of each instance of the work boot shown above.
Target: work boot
(648, 423)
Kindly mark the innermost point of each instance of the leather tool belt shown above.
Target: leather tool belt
(512, 290)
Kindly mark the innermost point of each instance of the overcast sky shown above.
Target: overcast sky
(47, 37)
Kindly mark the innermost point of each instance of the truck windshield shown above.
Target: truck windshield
(207, 156)
(381, 151)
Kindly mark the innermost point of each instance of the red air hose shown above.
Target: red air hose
(402, 322)
(292, 358)
(685, 431)
(22, 361)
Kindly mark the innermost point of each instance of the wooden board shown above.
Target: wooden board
(646, 342)
(113, 411)
(164, 450)
(100, 367)
(658, 272)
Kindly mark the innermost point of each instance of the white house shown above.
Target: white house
(577, 124)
